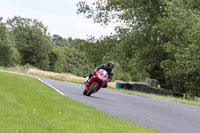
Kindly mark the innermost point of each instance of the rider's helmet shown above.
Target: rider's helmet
(111, 65)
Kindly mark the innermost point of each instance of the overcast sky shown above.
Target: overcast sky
(58, 15)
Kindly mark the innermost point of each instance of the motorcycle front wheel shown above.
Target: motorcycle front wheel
(93, 88)
(85, 92)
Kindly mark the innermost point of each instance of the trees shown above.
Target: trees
(32, 41)
(26, 41)
(4, 46)
(181, 32)
(9, 56)
(73, 57)
(57, 59)
(139, 50)
(77, 62)
(160, 39)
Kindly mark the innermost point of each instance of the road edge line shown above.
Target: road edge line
(51, 86)
(35, 78)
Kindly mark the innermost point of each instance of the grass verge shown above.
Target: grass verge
(79, 80)
(27, 105)
(179, 100)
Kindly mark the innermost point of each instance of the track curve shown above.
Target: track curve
(163, 115)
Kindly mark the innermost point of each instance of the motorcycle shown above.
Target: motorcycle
(96, 82)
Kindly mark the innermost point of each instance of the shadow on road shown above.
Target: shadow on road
(97, 97)
(91, 96)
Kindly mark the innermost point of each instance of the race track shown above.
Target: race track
(163, 115)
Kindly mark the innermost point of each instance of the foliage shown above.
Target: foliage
(60, 41)
(26, 41)
(137, 44)
(31, 41)
(77, 63)
(9, 56)
(182, 35)
(75, 60)
(120, 75)
(160, 39)
(98, 51)
(57, 59)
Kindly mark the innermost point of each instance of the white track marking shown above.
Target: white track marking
(35, 78)
(51, 86)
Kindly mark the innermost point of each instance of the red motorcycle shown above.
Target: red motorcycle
(96, 82)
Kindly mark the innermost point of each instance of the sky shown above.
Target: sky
(58, 15)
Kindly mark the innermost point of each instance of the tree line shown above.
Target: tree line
(159, 39)
(26, 41)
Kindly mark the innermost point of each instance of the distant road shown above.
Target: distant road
(163, 115)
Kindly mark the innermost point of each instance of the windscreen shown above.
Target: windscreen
(103, 72)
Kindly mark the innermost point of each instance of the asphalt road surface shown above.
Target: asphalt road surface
(163, 115)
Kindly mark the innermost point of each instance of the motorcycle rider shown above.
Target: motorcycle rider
(108, 67)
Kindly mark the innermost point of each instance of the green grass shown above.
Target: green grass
(180, 100)
(28, 106)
